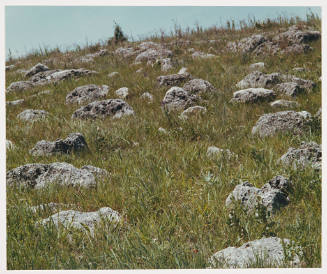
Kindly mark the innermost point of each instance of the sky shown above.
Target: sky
(29, 28)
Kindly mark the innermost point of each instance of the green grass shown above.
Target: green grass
(170, 194)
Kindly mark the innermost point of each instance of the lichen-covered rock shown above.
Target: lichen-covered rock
(202, 55)
(173, 79)
(15, 103)
(284, 103)
(31, 115)
(165, 64)
(258, 79)
(85, 221)
(183, 70)
(193, 111)
(290, 88)
(69, 73)
(216, 152)
(75, 142)
(307, 154)
(37, 68)
(127, 52)
(115, 108)
(259, 65)
(153, 54)
(253, 95)
(86, 93)
(147, 96)
(122, 92)
(40, 175)
(178, 99)
(199, 86)
(269, 252)
(96, 171)
(246, 45)
(20, 86)
(273, 195)
(281, 122)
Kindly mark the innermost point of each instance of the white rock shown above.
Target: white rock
(122, 93)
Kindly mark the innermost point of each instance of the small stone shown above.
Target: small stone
(113, 74)
(20, 86)
(162, 130)
(259, 65)
(122, 93)
(9, 145)
(202, 55)
(193, 111)
(147, 96)
(31, 115)
(215, 152)
(15, 103)
(284, 103)
(298, 69)
(183, 70)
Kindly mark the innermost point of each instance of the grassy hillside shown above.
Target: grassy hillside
(170, 194)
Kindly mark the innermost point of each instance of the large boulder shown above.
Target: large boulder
(198, 86)
(308, 154)
(40, 175)
(20, 86)
(37, 68)
(253, 95)
(86, 93)
(31, 115)
(173, 79)
(115, 108)
(269, 252)
(75, 142)
(281, 122)
(85, 221)
(178, 99)
(272, 196)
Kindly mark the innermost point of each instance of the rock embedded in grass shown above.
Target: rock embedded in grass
(115, 108)
(96, 171)
(31, 115)
(48, 207)
(15, 103)
(290, 89)
(36, 69)
(113, 74)
(165, 64)
(253, 95)
(215, 152)
(75, 142)
(272, 196)
(259, 65)
(318, 114)
(40, 175)
(177, 98)
(85, 221)
(202, 55)
(308, 154)
(9, 145)
(20, 86)
(266, 252)
(87, 93)
(192, 112)
(199, 86)
(173, 79)
(258, 79)
(147, 96)
(153, 54)
(281, 122)
(247, 44)
(284, 103)
(10, 67)
(122, 93)
(183, 70)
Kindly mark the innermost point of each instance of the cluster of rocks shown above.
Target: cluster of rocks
(294, 40)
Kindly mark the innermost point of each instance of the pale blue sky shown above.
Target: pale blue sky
(32, 27)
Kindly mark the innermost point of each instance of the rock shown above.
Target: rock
(86, 93)
(149, 45)
(69, 73)
(15, 103)
(48, 207)
(122, 93)
(281, 122)
(10, 67)
(162, 130)
(36, 69)
(20, 86)
(290, 89)
(9, 145)
(193, 111)
(113, 74)
(269, 252)
(31, 115)
(44, 92)
(183, 70)
(306, 84)
(257, 79)
(284, 103)
(273, 195)
(153, 54)
(298, 69)
(85, 221)
(165, 64)
(198, 86)
(173, 79)
(248, 44)
(90, 57)
(40, 175)
(115, 108)
(318, 114)
(96, 171)
(178, 99)
(202, 55)
(307, 154)
(253, 95)
(147, 96)
(127, 52)
(75, 142)
(259, 65)
(215, 152)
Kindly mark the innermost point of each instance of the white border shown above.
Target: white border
(4, 3)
